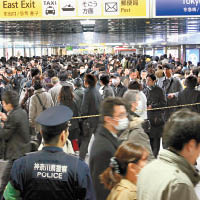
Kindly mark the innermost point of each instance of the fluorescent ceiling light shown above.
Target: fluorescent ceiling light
(87, 22)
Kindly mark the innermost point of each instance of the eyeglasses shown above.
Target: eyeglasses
(121, 116)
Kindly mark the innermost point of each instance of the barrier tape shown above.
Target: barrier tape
(152, 109)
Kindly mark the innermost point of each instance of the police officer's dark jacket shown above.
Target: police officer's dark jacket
(51, 174)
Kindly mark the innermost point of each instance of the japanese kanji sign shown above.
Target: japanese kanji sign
(72, 9)
(179, 8)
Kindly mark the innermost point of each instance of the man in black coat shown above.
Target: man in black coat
(171, 86)
(155, 99)
(189, 95)
(106, 142)
(14, 133)
(90, 106)
(118, 88)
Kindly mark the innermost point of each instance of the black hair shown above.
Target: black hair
(182, 126)
(51, 73)
(195, 72)
(132, 70)
(191, 81)
(62, 75)
(152, 76)
(107, 107)
(51, 134)
(18, 68)
(35, 72)
(78, 82)
(11, 97)
(104, 78)
(37, 83)
(90, 80)
(135, 85)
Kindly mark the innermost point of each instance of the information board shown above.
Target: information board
(72, 9)
(166, 8)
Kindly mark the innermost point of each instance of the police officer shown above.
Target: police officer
(51, 174)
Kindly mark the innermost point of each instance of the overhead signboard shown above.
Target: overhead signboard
(176, 8)
(72, 9)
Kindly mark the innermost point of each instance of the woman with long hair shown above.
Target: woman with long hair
(66, 98)
(121, 175)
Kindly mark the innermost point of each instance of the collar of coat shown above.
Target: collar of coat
(181, 163)
(126, 184)
(13, 110)
(135, 122)
(39, 91)
(106, 133)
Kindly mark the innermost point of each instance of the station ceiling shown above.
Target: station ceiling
(155, 32)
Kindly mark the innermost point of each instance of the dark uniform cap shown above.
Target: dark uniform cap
(55, 116)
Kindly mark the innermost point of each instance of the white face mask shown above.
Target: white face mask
(122, 124)
(82, 71)
(114, 82)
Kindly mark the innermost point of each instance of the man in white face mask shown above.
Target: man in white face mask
(118, 88)
(106, 142)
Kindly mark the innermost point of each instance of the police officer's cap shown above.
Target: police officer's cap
(55, 116)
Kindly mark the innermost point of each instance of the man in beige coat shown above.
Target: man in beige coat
(39, 101)
(173, 175)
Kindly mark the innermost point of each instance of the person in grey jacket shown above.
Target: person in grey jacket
(135, 132)
(78, 92)
(54, 91)
(35, 106)
(14, 133)
(173, 175)
(105, 90)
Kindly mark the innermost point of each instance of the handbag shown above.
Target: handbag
(146, 125)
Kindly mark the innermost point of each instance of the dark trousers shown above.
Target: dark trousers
(84, 146)
(155, 146)
(85, 139)
(6, 176)
(154, 136)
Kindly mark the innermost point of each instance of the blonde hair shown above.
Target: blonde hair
(54, 80)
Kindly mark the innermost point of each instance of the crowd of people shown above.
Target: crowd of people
(115, 107)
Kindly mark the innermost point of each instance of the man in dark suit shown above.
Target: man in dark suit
(114, 117)
(172, 86)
